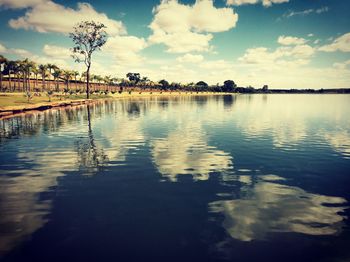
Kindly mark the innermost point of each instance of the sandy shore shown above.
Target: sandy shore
(13, 110)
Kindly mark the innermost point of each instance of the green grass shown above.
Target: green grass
(17, 99)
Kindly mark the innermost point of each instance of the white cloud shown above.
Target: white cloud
(125, 48)
(264, 2)
(302, 51)
(20, 52)
(189, 58)
(290, 40)
(342, 44)
(15, 51)
(52, 17)
(286, 55)
(17, 4)
(53, 55)
(322, 10)
(216, 64)
(305, 12)
(342, 65)
(2, 49)
(184, 28)
(56, 51)
(182, 42)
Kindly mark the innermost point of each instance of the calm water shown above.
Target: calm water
(222, 178)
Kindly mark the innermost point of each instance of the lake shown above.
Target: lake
(201, 178)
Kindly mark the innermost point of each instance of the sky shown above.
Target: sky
(282, 43)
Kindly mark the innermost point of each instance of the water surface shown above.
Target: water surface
(207, 178)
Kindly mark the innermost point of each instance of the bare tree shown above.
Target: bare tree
(88, 36)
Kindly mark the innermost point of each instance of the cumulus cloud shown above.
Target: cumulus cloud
(53, 54)
(342, 44)
(285, 55)
(52, 17)
(185, 28)
(56, 51)
(15, 51)
(182, 42)
(125, 48)
(264, 2)
(290, 40)
(189, 58)
(18, 4)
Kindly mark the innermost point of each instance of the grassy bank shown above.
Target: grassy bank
(13, 103)
(18, 99)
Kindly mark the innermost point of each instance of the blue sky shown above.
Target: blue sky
(282, 43)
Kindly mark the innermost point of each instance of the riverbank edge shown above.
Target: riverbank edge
(12, 111)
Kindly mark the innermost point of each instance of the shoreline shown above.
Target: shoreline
(16, 110)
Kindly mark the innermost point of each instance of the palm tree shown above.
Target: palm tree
(67, 75)
(43, 71)
(26, 67)
(107, 80)
(52, 69)
(83, 76)
(36, 72)
(21, 72)
(3, 61)
(98, 79)
(10, 68)
(75, 74)
(57, 73)
(115, 82)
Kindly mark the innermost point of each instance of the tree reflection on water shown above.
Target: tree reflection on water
(90, 155)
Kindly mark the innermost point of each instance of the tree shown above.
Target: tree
(3, 61)
(201, 85)
(88, 36)
(107, 80)
(17, 71)
(36, 72)
(67, 75)
(11, 67)
(265, 88)
(57, 73)
(75, 74)
(98, 79)
(144, 82)
(52, 68)
(134, 77)
(164, 83)
(43, 71)
(25, 67)
(28, 67)
(229, 86)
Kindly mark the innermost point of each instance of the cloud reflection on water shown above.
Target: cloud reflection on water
(267, 207)
(339, 141)
(186, 151)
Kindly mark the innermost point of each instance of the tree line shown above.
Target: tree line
(88, 37)
(26, 75)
